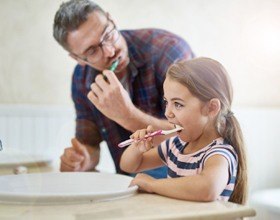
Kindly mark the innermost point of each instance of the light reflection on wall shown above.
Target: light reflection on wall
(262, 40)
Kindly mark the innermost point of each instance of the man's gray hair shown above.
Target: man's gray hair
(70, 16)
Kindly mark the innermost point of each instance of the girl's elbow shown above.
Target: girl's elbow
(210, 198)
(210, 195)
(210, 192)
(207, 194)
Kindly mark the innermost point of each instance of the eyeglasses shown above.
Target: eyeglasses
(95, 53)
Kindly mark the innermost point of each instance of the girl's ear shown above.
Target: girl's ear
(80, 61)
(214, 107)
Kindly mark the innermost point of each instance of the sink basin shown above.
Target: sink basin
(63, 188)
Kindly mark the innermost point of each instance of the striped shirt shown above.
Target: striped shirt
(179, 164)
(151, 52)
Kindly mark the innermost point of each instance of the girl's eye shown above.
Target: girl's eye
(165, 102)
(178, 105)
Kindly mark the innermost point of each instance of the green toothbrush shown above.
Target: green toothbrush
(114, 65)
(112, 68)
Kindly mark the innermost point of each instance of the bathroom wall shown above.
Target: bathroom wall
(242, 34)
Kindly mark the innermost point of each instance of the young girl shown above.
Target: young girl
(206, 160)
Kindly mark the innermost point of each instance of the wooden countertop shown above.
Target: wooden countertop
(139, 206)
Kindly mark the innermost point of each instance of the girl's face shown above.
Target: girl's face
(184, 109)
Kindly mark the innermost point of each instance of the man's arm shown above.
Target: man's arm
(110, 97)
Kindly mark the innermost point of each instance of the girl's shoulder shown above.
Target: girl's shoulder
(221, 147)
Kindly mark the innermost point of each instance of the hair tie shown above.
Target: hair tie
(229, 114)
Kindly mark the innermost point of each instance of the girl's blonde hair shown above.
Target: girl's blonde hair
(206, 79)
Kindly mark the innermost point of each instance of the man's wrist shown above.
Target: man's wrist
(94, 153)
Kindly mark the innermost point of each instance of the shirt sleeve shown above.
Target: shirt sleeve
(228, 153)
(86, 129)
(163, 149)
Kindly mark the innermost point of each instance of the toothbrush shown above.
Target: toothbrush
(156, 133)
(112, 68)
(114, 65)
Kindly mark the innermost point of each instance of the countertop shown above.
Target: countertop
(139, 206)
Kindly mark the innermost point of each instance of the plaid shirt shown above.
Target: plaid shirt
(151, 52)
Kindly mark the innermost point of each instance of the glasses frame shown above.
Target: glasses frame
(101, 44)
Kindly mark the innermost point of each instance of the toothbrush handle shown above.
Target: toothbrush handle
(130, 141)
(125, 143)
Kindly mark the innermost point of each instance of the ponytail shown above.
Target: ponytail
(232, 134)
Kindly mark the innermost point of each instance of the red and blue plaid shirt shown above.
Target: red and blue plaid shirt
(151, 52)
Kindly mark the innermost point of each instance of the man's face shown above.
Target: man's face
(98, 43)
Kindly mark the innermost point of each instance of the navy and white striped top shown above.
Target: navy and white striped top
(179, 164)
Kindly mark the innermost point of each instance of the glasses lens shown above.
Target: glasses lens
(111, 38)
(95, 56)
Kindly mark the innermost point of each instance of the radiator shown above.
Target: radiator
(36, 129)
(40, 129)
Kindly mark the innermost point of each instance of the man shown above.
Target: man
(111, 105)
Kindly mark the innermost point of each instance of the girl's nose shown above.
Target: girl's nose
(168, 113)
(108, 50)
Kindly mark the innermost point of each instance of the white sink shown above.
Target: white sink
(63, 188)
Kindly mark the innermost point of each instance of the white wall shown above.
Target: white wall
(242, 34)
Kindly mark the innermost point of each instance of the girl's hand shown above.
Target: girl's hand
(144, 182)
(140, 141)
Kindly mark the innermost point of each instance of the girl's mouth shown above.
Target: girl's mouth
(178, 126)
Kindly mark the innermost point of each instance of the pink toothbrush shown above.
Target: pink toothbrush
(156, 133)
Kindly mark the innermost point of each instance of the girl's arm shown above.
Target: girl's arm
(140, 155)
(206, 186)
(133, 160)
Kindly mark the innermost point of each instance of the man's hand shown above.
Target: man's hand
(110, 98)
(79, 157)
